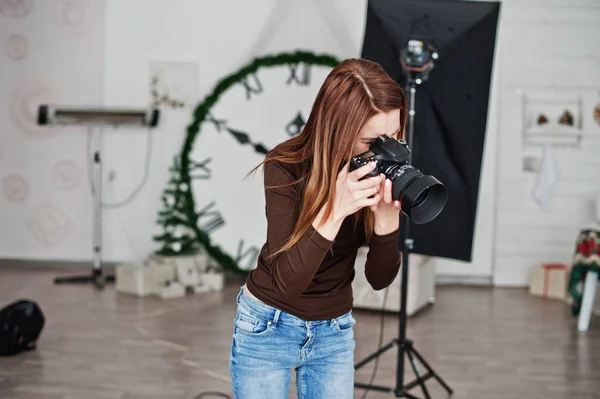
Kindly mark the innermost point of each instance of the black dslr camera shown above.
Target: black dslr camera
(422, 197)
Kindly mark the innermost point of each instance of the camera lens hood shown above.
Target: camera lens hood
(423, 198)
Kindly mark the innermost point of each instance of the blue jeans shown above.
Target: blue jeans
(267, 343)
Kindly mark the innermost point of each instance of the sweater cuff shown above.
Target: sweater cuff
(318, 238)
(385, 238)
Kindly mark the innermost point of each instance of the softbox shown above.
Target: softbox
(451, 105)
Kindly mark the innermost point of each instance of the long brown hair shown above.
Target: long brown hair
(353, 92)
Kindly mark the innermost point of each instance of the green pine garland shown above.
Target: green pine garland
(179, 212)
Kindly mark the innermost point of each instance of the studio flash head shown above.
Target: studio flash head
(417, 58)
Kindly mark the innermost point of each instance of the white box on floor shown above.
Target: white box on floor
(210, 281)
(143, 279)
(421, 285)
(197, 261)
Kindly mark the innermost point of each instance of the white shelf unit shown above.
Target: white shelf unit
(552, 106)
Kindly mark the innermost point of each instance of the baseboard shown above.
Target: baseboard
(51, 264)
(463, 280)
(80, 267)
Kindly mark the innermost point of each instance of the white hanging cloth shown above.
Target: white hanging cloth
(547, 177)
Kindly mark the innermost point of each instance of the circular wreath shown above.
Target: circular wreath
(179, 218)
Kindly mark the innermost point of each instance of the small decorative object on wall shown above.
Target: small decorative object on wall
(597, 114)
(74, 17)
(16, 8)
(552, 118)
(25, 102)
(542, 120)
(206, 201)
(566, 119)
(16, 47)
(48, 224)
(174, 84)
(15, 188)
(66, 175)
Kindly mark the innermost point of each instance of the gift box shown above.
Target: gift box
(143, 278)
(199, 261)
(210, 281)
(550, 281)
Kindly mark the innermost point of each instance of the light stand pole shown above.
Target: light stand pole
(416, 75)
(97, 277)
(90, 117)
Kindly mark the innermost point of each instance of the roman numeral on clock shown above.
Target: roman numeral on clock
(210, 220)
(300, 74)
(200, 170)
(247, 258)
(255, 88)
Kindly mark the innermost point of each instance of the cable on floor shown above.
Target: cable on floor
(146, 172)
(219, 394)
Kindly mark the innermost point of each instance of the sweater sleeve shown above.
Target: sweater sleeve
(383, 260)
(293, 270)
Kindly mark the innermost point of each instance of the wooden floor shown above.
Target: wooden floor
(486, 343)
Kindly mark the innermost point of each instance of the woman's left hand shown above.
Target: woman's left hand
(386, 211)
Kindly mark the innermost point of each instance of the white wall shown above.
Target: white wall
(50, 52)
(549, 48)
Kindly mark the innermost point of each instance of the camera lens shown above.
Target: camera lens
(422, 197)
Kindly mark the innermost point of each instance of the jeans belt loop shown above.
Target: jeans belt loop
(276, 317)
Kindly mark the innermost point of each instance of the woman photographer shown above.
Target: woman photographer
(294, 312)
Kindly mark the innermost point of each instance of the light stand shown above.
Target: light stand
(417, 69)
(90, 117)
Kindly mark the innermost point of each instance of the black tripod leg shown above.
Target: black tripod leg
(372, 356)
(433, 373)
(73, 280)
(97, 279)
(417, 373)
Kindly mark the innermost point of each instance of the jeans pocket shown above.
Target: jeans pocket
(344, 323)
(248, 324)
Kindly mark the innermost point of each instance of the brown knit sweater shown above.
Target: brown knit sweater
(313, 279)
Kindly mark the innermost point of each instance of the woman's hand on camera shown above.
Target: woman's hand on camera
(386, 211)
(352, 193)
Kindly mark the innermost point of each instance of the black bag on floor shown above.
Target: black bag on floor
(21, 323)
